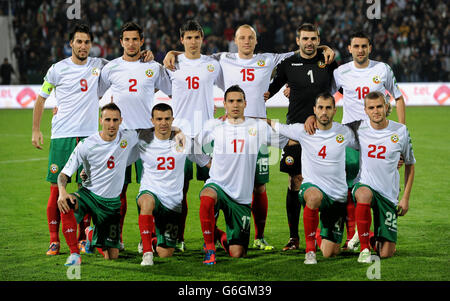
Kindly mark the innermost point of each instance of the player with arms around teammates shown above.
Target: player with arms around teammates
(382, 142)
(161, 191)
(132, 86)
(104, 156)
(252, 72)
(307, 76)
(237, 141)
(193, 99)
(324, 187)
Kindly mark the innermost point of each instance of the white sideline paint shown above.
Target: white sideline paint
(23, 161)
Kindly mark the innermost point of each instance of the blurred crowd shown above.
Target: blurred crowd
(412, 36)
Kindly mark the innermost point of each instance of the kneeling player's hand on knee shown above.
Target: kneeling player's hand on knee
(66, 202)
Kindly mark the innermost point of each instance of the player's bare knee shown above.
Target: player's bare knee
(209, 192)
(313, 198)
(363, 195)
(237, 251)
(387, 250)
(146, 204)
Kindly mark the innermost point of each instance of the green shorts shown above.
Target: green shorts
(332, 215)
(60, 151)
(105, 217)
(138, 167)
(262, 166)
(351, 165)
(166, 222)
(202, 172)
(384, 215)
(237, 217)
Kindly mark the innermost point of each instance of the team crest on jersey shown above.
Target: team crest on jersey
(252, 132)
(321, 64)
(261, 63)
(376, 79)
(394, 138)
(179, 148)
(210, 68)
(289, 160)
(54, 168)
(95, 71)
(123, 143)
(340, 138)
(149, 72)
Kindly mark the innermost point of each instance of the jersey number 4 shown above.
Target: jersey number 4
(323, 152)
(165, 163)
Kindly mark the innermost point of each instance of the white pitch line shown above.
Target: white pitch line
(22, 161)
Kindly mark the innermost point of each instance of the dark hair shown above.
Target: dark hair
(163, 107)
(307, 27)
(110, 106)
(191, 25)
(326, 95)
(80, 27)
(234, 88)
(359, 34)
(131, 26)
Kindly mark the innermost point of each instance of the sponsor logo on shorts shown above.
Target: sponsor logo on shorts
(289, 160)
(340, 138)
(54, 168)
(210, 68)
(261, 63)
(123, 143)
(321, 64)
(149, 72)
(376, 79)
(394, 138)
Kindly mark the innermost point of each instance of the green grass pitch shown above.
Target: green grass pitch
(423, 240)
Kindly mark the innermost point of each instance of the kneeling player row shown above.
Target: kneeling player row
(229, 188)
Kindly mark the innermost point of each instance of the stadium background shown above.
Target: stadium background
(411, 36)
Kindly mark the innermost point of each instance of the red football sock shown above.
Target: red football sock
(146, 227)
(318, 238)
(363, 222)
(123, 209)
(350, 216)
(86, 222)
(207, 221)
(53, 214)
(69, 228)
(259, 210)
(184, 212)
(154, 242)
(100, 250)
(310, 223)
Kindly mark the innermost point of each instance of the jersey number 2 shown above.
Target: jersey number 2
(133, 83)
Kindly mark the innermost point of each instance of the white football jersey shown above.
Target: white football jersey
(252, 75)
(163, 173)
(323, 156)
(357, 83)
(193, 92)
(380, 151)
(103, 161)
(76, 97)
(133, 88)
(235, 153)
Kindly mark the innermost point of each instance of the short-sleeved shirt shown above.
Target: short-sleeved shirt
(252, 75)
(235, 153)
(380, 151)
(133, 88)
(104, 162)
(76, 88)
(193, 92)
(323, 156)
(356, 83)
